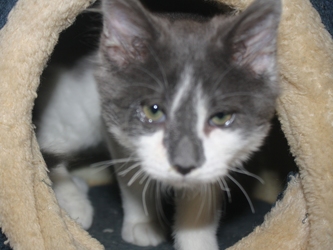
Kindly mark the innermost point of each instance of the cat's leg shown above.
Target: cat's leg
(140, 226)
(72, 195)
(197, 218)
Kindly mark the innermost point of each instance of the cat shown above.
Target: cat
(180, 102)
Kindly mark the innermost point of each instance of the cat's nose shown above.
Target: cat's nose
(184, 170)
(184, 155)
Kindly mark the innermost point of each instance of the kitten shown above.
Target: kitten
(184, 100)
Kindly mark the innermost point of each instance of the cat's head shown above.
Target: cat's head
(190, 98)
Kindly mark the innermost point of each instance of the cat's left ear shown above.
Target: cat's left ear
(252, 39)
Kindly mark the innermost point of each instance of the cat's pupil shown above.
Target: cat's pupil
(220, 115)
(154, 109)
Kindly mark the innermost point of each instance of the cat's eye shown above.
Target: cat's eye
(221, 119)
(153, 113)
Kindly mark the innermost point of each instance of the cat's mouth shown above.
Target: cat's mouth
(178, 180)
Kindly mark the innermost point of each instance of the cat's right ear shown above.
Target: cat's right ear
(127, 30)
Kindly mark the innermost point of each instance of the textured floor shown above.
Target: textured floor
(237, 222)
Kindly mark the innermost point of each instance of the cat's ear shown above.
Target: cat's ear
(127, 30)
(253, 37)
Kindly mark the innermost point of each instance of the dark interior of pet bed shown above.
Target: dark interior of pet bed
(237, 222)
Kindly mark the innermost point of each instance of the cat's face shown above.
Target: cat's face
(190, 99)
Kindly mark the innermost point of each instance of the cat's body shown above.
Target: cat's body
(183, 101)
(68, 122)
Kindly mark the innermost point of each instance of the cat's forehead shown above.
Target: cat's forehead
(190, 62)
(188, 36)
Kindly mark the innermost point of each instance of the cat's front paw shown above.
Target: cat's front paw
(72, 197)
(143, 233)
(196, 239)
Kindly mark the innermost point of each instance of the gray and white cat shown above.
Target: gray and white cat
(180, 102)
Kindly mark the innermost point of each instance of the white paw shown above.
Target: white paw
(142, 233)
(196, 239)
(72, 197)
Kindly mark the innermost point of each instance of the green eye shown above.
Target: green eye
(221, 119)
(153, 113)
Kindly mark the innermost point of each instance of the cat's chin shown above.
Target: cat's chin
(185, 184)
(188, 186)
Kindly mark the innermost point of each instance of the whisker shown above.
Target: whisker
(214, 198)
(224, 186)
(131, 158)
(118, 168)
(180, 194)
(209, 197)
(159, 206)
(100, 166)
(135, 177)
(112, 162)
(184, 194)
(202, 193)
(143, 179)
(144, 196)
(243, 191)
(245, 172)
(129, 169)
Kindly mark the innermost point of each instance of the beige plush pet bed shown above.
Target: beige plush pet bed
(29, 214)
